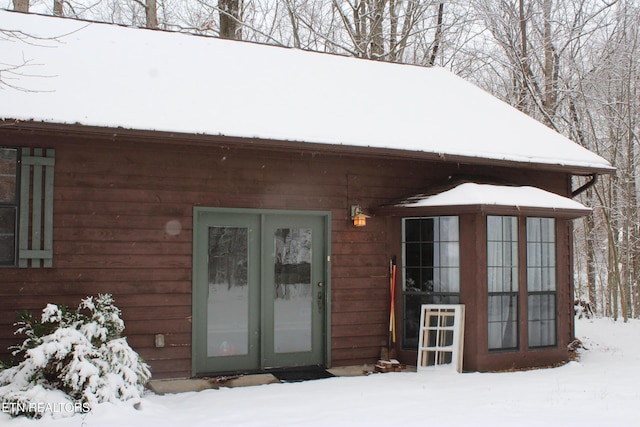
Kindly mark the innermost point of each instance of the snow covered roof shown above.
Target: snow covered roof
(110, 76)
(468, 194)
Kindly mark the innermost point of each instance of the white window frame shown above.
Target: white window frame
(444, 314)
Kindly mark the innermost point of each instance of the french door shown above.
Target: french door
(259, 289)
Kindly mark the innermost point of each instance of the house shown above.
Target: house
(212, 187)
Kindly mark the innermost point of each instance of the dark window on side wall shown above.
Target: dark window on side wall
(8, 205)
(431, 268)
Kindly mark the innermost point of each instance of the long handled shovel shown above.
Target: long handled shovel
(392, 312)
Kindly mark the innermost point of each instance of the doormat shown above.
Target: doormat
(307, 373)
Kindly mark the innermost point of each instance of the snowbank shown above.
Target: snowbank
(598, 390)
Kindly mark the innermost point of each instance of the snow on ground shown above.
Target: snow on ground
(601, 389)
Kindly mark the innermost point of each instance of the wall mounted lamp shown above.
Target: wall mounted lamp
(357, 216)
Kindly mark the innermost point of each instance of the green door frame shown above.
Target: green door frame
(199, 213)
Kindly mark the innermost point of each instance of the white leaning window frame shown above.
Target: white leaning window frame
(442, 326)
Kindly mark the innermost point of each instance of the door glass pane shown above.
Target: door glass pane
(228, 301)
(293, 297)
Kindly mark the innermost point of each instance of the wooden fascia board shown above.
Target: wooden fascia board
(175, 138)
(422, 211)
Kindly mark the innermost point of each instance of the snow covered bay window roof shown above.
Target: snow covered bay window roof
(498, 199)
(113, 77)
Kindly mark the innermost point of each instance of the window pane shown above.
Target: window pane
(412, 230)
(514, 281)
(503, 322)
(8, 173)
(427, 254)
(494, 254)
(428, 276)
(427, 228)
(7, 235)
(510, 231)
(412, 254)
(534, 279)
(534, 257)
(547, 230)
(293, 297)
(412, 279)
(449, 280)
(549, 279)
(494, 279)
(449, 229)
(449, 255)
(548, 254)
(542, 320)
(494, 228)
(228, 301)
(533, 229)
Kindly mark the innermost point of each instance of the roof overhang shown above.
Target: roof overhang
(95, 75)
(491, 200)
(120, 134)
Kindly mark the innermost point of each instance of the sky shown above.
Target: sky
(599, 389)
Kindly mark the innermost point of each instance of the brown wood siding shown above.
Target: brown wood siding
(115, 198)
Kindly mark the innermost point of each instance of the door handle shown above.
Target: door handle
(320, 297)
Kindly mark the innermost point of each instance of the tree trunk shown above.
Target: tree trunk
(589, 233)
(151, 14)
(524, 60)
(57, 8)
(393, 31)
(21, 5)
(437, 36)
(295, 28)
(550, 66)
(376, 7)
(230, 19)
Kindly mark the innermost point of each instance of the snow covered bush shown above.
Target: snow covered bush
(80, 353)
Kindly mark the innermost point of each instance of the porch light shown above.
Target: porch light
(359, 219)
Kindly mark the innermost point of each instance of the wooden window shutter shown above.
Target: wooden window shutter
(35, 245)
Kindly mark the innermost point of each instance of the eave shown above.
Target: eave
(162, 137)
